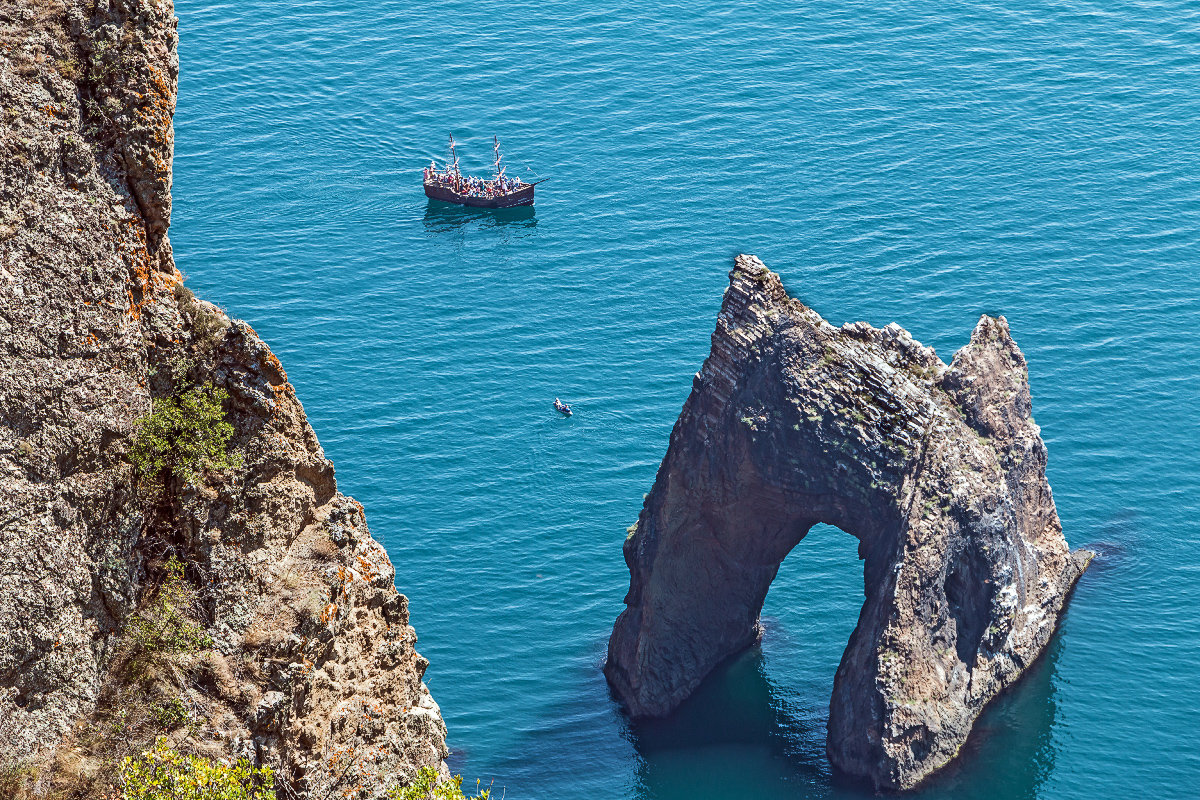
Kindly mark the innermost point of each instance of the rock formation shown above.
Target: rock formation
(312, 667)
(938, 471)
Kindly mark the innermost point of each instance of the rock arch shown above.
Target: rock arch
(938, 471)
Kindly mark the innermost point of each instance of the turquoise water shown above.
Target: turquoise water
(916, 162)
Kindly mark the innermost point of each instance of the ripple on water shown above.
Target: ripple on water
(893, 162)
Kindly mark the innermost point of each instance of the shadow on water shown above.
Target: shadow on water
(735, 737)
(441, 217)
(739, 736)
(1010, 752)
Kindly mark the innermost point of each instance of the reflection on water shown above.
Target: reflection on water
(1010, 752)
(441, 217)
(741, 735)
(737, 736)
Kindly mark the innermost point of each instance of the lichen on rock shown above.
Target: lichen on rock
(938, 470)
(306, 659)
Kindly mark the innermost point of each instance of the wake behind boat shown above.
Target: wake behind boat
(451, 186)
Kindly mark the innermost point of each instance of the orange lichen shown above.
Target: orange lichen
(148, 282)
(273, 362)
(156, 110)
(369, 570)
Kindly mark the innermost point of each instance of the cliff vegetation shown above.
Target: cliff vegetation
(188, 599)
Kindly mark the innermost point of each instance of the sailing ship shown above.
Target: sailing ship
(450, 185)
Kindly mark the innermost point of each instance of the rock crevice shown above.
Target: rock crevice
(938, 471)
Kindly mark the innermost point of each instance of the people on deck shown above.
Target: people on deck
(470, 185)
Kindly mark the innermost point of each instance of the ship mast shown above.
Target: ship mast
(453, 167)
(496, 150)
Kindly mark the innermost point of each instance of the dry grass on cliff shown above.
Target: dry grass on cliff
(17, 781)
(188, 693)
(34, 35)
(207, 322)
(165, 680)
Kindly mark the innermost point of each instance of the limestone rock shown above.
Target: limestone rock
(938, 471)
(313, 656)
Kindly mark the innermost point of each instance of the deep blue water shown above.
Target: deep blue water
(894, 161)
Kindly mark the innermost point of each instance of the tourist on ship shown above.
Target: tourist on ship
(493, 192)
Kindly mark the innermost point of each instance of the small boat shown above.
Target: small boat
(501, 191)
(562, 407)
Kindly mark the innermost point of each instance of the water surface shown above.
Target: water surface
(894, 161)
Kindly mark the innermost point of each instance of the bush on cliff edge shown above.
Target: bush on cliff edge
(184, 434)
(428, 787)
(166, 774)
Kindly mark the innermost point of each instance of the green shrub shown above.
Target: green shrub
(184, 434)
(428, 787)
(172, 715)
(166, 774)
(68, 68)
(164, 626)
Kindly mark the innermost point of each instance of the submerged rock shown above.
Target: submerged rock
(938, 471)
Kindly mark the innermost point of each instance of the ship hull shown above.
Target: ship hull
(521, 197)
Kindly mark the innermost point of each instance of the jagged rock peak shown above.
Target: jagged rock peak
(938, 471)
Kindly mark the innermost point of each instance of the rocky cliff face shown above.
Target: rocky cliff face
(312, 667)
(939, 471)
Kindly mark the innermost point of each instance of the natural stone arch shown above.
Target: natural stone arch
(939, 471)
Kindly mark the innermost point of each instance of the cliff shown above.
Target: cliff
(938, 470)
(298, 651)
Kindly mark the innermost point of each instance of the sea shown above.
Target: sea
(911, 162)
